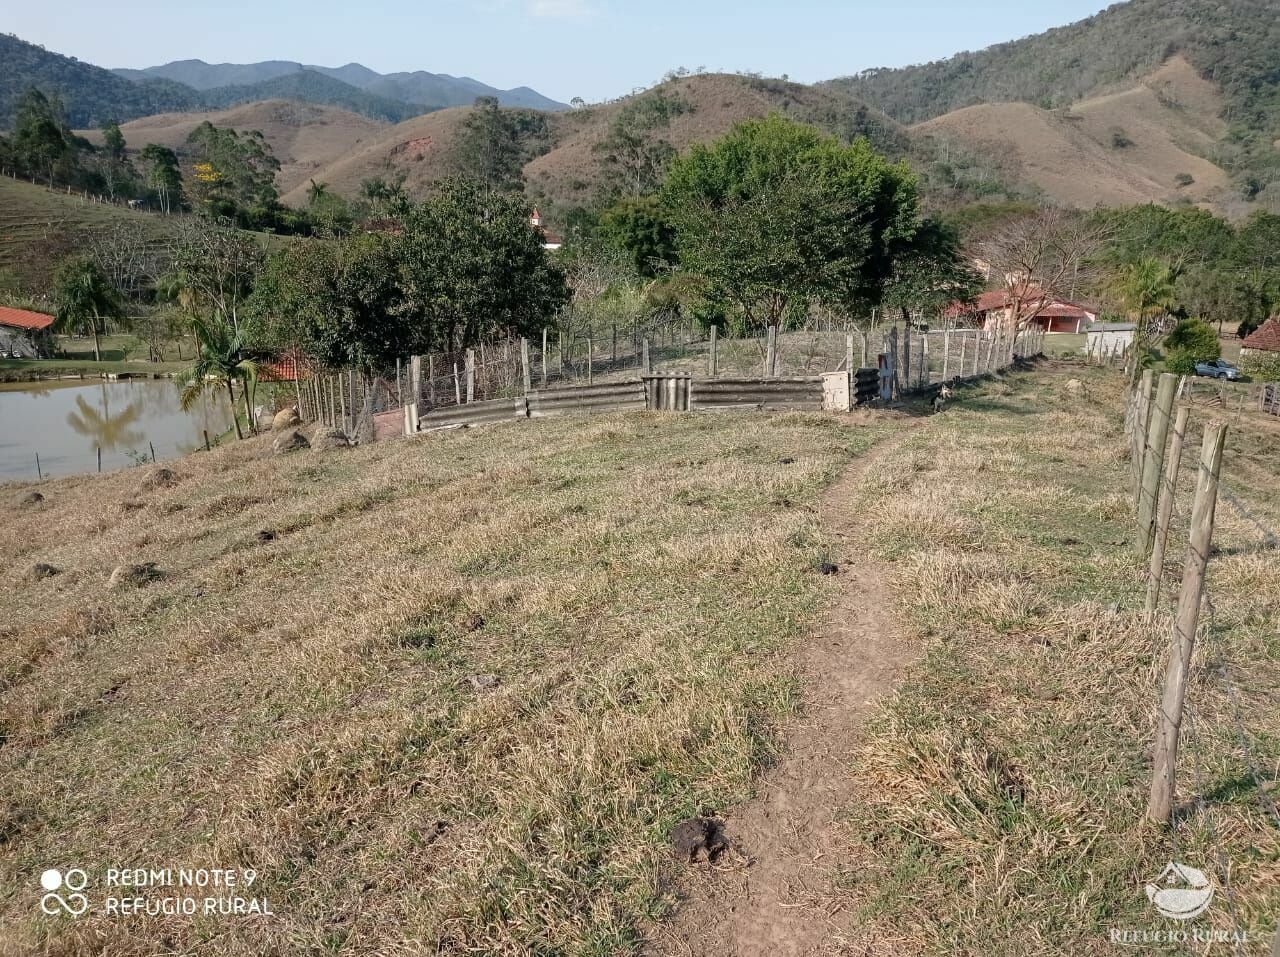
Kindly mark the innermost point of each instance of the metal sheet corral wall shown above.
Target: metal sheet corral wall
(601, 399)
(769, 395)
(475, 413)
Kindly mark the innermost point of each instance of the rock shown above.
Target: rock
(133, 576)
(484, 682)
(699, 838)
(32, 498)
(291, 441)
(1075, 387)
(161, 478)
(326, 438)
(40, 571)
(285, 419)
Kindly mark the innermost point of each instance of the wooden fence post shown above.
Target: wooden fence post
(648, 369)
(1153, 461)
(1169, 719)
(713, 357)
(771, 353)
(590, 349)
(924, 359)
(906, 355)
(544, 357)
(524, 363)
(457, 385)
(946, 355)
(848, 353)
(1141, 416)
(415, 378)
(1172, 462)
(471, 375)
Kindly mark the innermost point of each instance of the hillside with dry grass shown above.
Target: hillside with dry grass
(1144, 144)
(304, 137)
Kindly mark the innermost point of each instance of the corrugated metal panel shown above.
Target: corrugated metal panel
(475, 413)
(599, 399)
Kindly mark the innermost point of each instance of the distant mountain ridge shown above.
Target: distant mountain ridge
(93, 95)
(432, 90)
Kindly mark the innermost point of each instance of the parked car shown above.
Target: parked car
(1218, 369)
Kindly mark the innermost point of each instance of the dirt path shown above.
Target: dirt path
(775, 899)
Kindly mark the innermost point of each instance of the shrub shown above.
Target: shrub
(1261, 366)
(1183, 180)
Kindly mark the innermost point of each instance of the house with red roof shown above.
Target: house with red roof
(1266, 338)
(995, 309)
(25, 334)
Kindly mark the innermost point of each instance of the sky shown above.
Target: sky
(595, 49)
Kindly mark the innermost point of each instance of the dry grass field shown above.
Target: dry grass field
(1003, 789)
(449, 695)
(445, 696)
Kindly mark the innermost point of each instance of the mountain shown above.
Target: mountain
(308, 86)
(90, 94)
(435, 91)
(1233, 45)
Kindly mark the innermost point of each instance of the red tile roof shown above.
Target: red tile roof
(22, 319)
(1266, 337)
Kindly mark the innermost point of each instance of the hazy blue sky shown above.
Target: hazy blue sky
(590, 48)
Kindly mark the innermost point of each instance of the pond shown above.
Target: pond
(66, 423)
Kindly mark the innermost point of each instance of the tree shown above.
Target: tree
(639, 225)
(489, 147)
(114, 168)
(217, 266)
(474, 267)
(41, 141)
(84, 298)
(163, 176)
(220, 360)
(777, 216)
(1145, 290)
(339, 302)
(635, 159)
(1046, 256)
(234, 174)
(931, 272)
(1190, 342)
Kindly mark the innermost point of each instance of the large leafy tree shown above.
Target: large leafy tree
(216, 268)
(777, 216)
(42, 144)
(639, 225)
(340, 302)
(114, 168)
(931, 271)
(234, 174)
(84, 299)
(474, 267)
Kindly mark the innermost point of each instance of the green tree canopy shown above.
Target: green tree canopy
(1191, 341)
(777, 215)
(234, 175)
(340, 302)
(163, 176)
(489, 148)
(474, 268)
(639, 225)
(41, 143)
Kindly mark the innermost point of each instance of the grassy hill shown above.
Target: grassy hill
(1128, 147)
(570, 171)
(305, 137)
(1234, 44)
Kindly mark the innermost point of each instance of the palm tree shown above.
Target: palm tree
(84, 297)
(1146, 289)
(220, 360)
(316, 192)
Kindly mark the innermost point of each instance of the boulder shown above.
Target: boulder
(285, 419)
(326, 438)
(133, 576)
(291, 441)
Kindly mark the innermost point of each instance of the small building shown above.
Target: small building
(550, 241)
(994, 310)
(1264, 339)
(1106, 338)
(28, 334)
